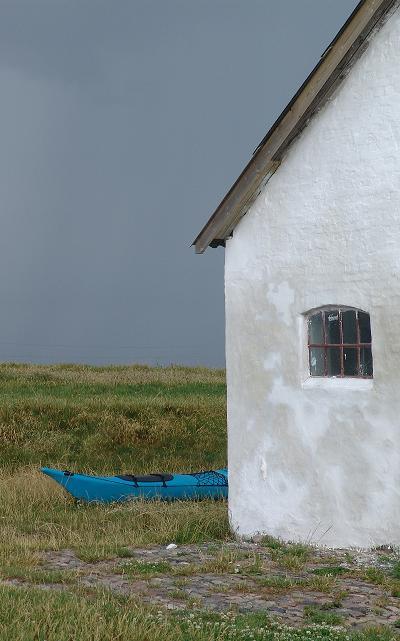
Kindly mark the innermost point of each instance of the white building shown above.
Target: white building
(311, 231)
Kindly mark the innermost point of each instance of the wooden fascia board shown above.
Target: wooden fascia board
(321, 82)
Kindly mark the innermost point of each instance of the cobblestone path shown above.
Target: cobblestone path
(343, 586)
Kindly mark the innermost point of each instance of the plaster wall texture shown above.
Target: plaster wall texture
(311, 459)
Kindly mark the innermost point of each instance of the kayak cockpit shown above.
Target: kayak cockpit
(147, 478)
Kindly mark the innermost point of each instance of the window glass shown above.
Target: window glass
(317, 361)
(315, 329)
(332, 326)
(333, 361)
(350, 364)
(340, 343)
(365, 361)
(365, 327)
(349, 326)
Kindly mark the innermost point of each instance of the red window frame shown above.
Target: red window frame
(340, 345)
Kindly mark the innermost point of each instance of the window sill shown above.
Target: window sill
(361, 384)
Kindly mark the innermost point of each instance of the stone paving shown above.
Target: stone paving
(246, 577)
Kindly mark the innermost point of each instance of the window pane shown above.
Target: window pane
(365, 327)
(315, 329)
(332, 326)
(317, 361)
(366, 361)
(349, 326)
(333, 361)
(350, 366)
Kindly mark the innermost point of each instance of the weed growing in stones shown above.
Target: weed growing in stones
(375, 575)
(322, 583)
(292, 556)
(180, 582)
(279, 583)
(396, 570)
(319, 615)
(291, 562)
(337, 600)
(124, 552)
(225, 561)
(330, 571)
(143, 568)
(349, 557)
(255, 567)
(271, 542)
(179, 594)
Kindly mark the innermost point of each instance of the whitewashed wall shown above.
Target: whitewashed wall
(310, 459)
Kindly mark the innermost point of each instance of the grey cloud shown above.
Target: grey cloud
(122, 125)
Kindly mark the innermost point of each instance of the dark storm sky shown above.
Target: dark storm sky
(123, 123)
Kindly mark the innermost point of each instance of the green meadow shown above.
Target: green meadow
(111, 420)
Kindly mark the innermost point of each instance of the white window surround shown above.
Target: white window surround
(328, 383)
(333, 383)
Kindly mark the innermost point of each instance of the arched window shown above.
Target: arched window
(339, 343)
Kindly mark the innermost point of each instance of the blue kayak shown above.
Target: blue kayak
(166, 487)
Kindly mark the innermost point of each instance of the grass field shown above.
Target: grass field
(111, 420)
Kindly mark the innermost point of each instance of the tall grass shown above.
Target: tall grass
(114, 419)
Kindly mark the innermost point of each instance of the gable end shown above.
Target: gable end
(335, 63)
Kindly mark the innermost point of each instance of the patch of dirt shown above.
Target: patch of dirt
(236, 576)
